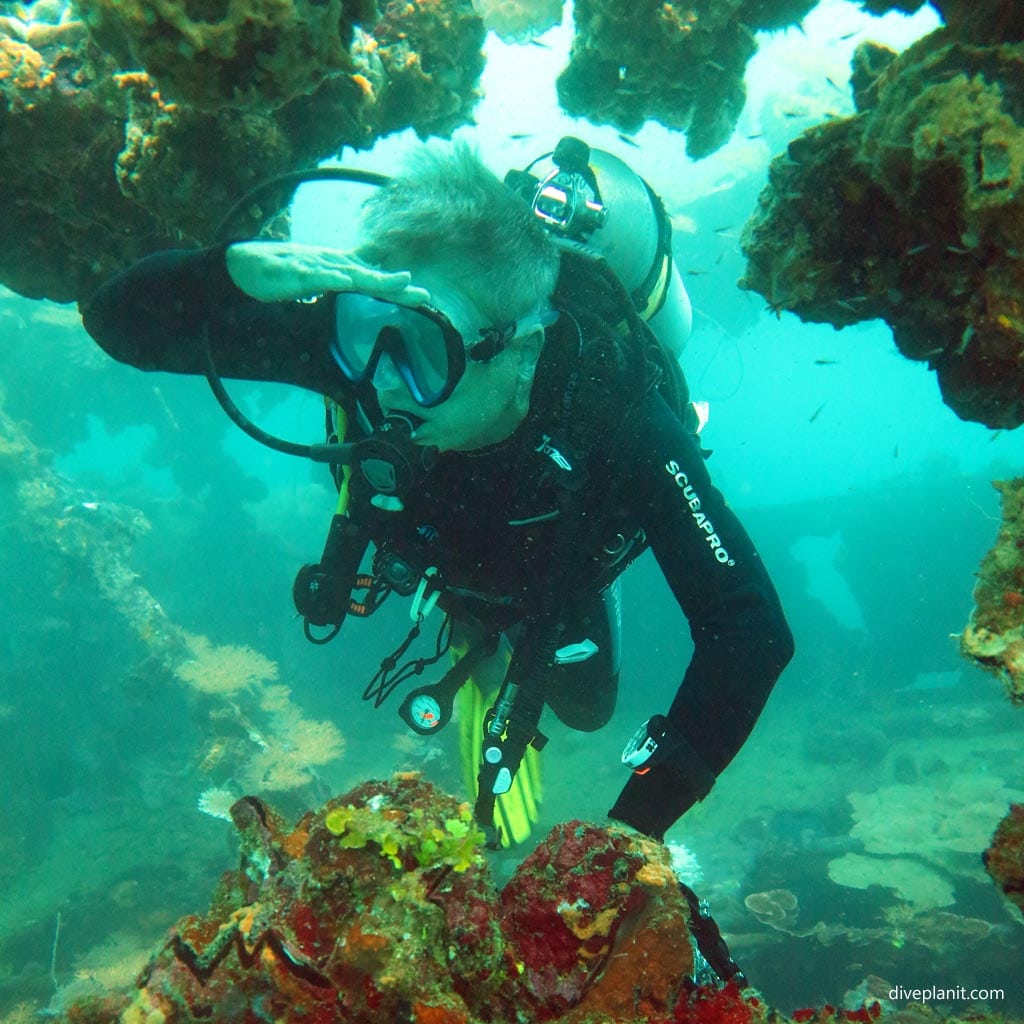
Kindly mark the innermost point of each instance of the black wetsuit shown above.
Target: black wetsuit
(485, 518)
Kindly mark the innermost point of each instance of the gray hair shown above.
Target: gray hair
(448, 213)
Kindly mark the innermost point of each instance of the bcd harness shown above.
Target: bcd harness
(616, 360)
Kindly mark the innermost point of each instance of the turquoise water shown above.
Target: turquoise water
(872, 513)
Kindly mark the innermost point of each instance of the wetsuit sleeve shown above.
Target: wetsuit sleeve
(741, 639)
(154, 316)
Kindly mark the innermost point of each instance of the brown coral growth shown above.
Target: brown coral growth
(994, 638)
(912, 212)
(681, 64)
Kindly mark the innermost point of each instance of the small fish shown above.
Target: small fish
(727, 227)
(720, 257)
(628, 141)
(537, 42)
(965, 339)
(895, 451)
(756, 135)
(793, 113)
(838, 88)
(715, 65)
(918, 249)
(519, 136)
(957, 250)
(696, 273)
(846, 305)
(849, 35)
(817, 412)
(826, 362)
(995, 434)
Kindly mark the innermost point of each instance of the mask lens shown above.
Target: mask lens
(359, 321)
(415, 341)
(426, 354)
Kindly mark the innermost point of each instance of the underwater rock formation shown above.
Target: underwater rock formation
(680, 64)
(379, 906)
(994, 638)
(423, 62)
(1004, 859)
(597, 921)
(911, 211)
(244, 53)
(63, 222)
(519, 21)
(187, 167)
(977, 21)
(152, 170)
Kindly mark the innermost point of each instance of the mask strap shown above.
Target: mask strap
(494, 340)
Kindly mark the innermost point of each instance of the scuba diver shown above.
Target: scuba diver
(509, 430)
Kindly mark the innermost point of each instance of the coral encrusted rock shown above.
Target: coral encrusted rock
(104, 161)
(994, 638)
(681, 64)
(596, 918)
(912, 211)
(519, 21)
(379, 907)
(64, 225)
(1004, 859)
(216, 53)
(980, 21)
(376, 907)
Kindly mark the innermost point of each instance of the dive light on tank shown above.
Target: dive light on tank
(568, 200)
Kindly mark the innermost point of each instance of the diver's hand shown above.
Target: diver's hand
(279, 271)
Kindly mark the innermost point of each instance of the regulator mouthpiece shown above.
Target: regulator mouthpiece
(391, 463)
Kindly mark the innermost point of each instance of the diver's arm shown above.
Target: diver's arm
(741, 639)
(279, 271)
(259, 303)
(154, 316)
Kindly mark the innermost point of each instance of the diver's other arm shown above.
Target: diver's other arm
(741, 639)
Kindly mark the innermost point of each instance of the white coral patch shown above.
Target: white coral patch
(685, 865)
(216, 803)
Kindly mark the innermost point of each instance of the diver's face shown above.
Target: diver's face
(490, 399)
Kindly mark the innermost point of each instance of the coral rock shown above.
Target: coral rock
(428, 59)
(979, 21)
(61, 232)
(218, 53)
(597, 921)
(1004, 859)
(378, 907)
(618, 75)
(375, 907)
(994, 638)
(154, 170)
(931, 174)
(519, 20)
